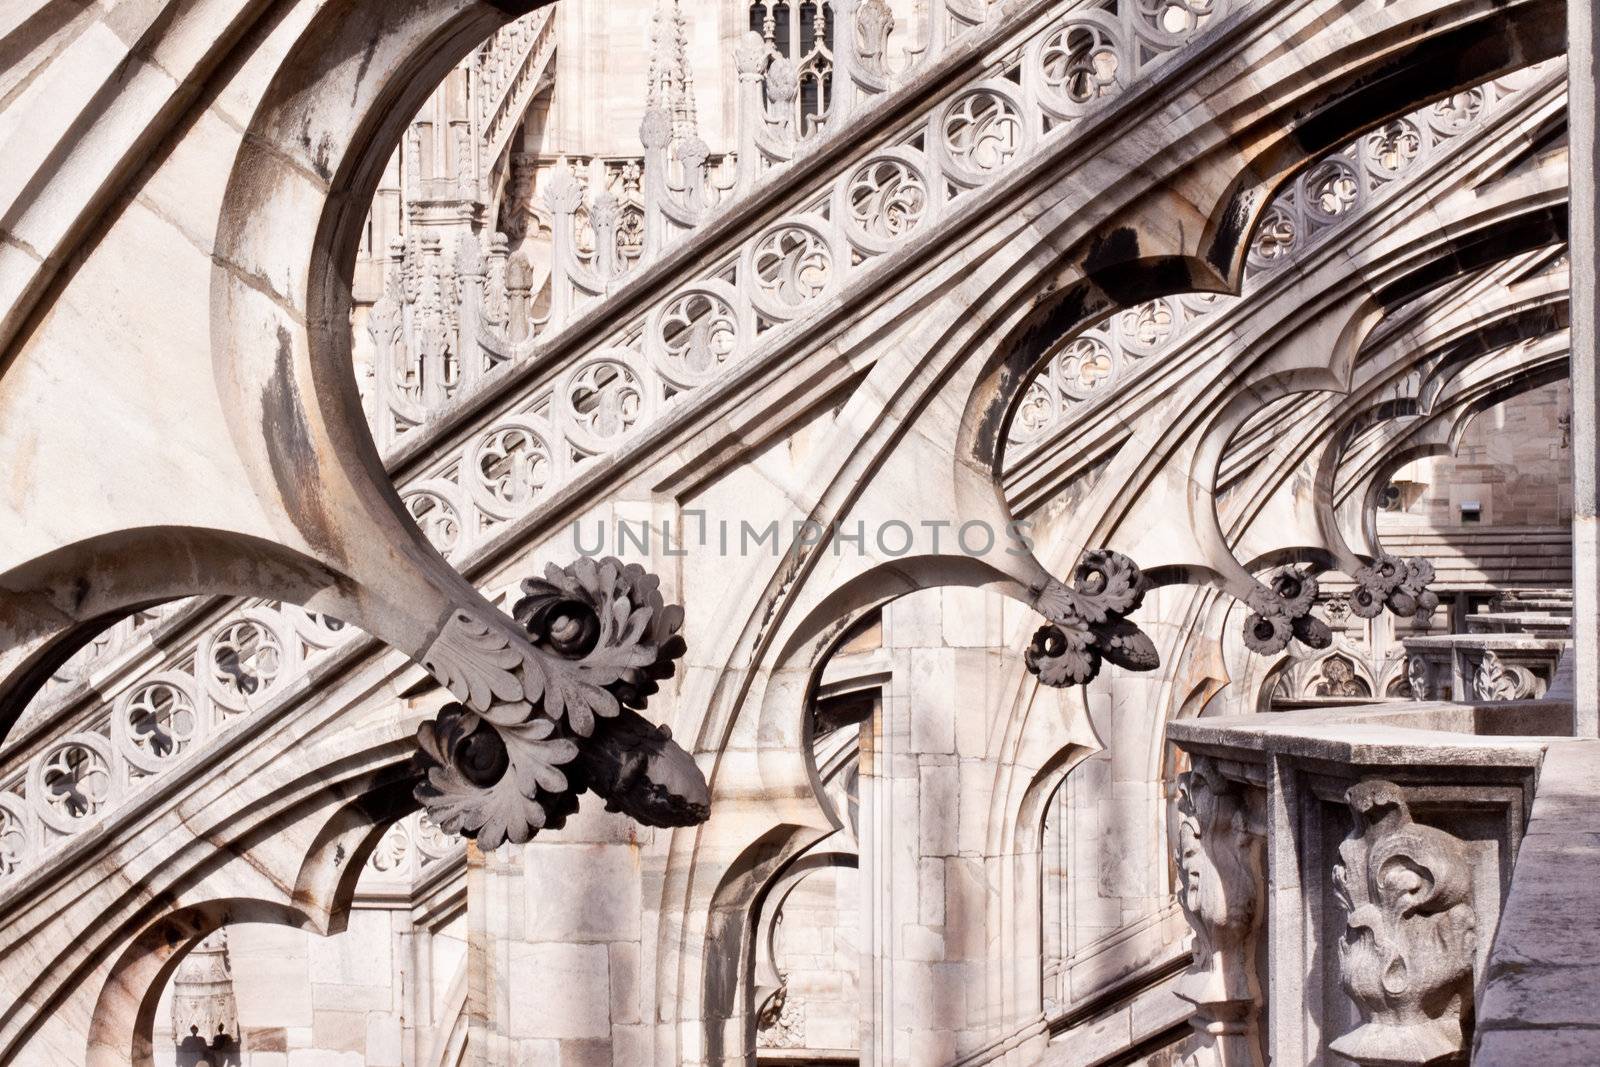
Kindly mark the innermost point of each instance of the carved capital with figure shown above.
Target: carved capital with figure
(1219, 855)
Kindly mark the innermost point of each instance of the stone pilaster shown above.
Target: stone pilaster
(1219, 860)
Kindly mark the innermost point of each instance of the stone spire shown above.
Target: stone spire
(202, 993)
(671, 79)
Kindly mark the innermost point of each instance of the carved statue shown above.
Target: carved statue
(1088, 623)
(506, 762)
(1410, 934)
(1419, 676)
(1219, 859)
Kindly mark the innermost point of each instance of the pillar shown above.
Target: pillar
(1583, 35)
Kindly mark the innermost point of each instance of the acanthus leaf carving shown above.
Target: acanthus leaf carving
(1281, 610)
(543, 720)
(1495, 680)
(473, 658)
(1088, 622)
(1410, 933)
(1401, 585)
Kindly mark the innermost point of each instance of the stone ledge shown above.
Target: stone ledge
(1538, 996)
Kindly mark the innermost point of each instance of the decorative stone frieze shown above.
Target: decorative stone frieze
(1219, 859)
(1089, 624)
(539, 724)
(1410, 933)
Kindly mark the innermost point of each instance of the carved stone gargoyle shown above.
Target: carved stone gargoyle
(1089, 624)
(1410, 934)
(1219, 859)
(507, 762)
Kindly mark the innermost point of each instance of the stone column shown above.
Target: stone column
(554, 937)
(925, 801)
(1583, 34)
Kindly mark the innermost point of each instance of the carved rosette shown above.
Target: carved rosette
(540, 720)
(1219, 845)
(1400, 585)
(1089, 624)
(1410, 933)
(1281, 610)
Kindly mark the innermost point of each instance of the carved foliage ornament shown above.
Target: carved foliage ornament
(1496, 680)
(1401, 585)
(542, 720)
(1088, 623)
(1410, 933)
(1281, 610)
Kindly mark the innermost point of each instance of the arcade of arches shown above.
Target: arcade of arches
(919, 533)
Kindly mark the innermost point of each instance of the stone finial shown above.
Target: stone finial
(469, 257)
(783, 81)
(655, 129)
(1410, 934)
(750, 56)
(874, 24)
(1219, 859)
(563, 192)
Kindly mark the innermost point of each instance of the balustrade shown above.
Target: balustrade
(1372, 850)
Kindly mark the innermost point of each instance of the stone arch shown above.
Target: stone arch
(291, 839)
(1119, 266)
(319, 901)
(79, 589)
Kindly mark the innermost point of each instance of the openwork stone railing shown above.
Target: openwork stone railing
(452, 315)
(410, 850)
(508, 72)
(154, 715)
(1327, 196)
(540, 437)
